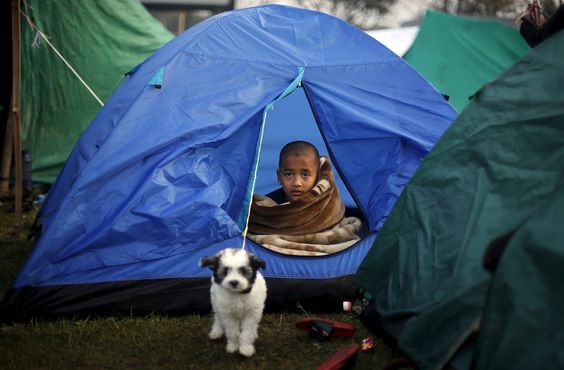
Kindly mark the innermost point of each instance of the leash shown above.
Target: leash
(293, 85)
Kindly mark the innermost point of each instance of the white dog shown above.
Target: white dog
(238, 292)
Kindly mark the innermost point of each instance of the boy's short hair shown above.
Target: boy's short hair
(298, 148)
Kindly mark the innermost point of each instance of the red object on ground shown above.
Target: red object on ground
(367, 343)
(332, 328)
(344, 357)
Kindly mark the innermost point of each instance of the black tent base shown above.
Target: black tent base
(167, 296)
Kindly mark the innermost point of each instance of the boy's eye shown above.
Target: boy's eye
(288, 174)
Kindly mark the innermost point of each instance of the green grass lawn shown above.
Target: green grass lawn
(156, 341)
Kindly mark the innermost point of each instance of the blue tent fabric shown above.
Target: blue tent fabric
(160, 176)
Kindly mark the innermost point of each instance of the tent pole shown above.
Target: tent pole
(15, 109)
(7, 157)
(8, 147)
(13, 131)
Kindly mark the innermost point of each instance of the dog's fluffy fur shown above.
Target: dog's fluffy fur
(238, 292)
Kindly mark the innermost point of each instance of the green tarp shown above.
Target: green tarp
(499, 167)
(101, 40)
(460, 54)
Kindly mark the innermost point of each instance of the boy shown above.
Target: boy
(306, 215)
(298, 167)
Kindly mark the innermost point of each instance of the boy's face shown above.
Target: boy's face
(298, 175)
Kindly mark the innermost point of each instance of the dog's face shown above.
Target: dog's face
(235, 270)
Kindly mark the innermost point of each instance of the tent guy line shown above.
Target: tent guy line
(44, 37)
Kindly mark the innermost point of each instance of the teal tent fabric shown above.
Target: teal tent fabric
(523, 320)
(460, 54)
(101, 40)
(499, 164)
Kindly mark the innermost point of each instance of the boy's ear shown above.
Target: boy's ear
(278, 176)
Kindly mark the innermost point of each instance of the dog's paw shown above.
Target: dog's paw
(247, 350)
(231, 347)
(215, 334)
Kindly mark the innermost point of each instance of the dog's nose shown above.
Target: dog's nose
(234, 283)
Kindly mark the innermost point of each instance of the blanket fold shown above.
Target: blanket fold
(336, 239)
(312, 225)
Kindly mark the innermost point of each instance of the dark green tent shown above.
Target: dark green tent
(523, 317)
(460, 54)
(498, 168)
(101, 40)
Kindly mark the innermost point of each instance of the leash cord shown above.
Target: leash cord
(268, 107)
(254, 179)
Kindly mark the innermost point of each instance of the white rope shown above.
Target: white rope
(253, 183)
(70, 67)
(33, 26)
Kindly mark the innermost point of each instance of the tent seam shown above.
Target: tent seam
(273, 62)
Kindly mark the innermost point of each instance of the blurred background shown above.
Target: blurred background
(177, 15)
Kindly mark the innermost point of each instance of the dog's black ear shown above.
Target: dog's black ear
(257, 262)
(208, 261)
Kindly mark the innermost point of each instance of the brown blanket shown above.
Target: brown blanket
(317, 210)
(310, 225)
(338, 238)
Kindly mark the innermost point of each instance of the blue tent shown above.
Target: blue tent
(162, 175)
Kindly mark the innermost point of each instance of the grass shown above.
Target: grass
(156, 341)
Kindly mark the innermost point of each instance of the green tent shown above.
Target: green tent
(101, 40)
(498, 168)
(523, 319)
(458, 55)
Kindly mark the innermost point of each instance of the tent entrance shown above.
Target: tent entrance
(291, 119)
